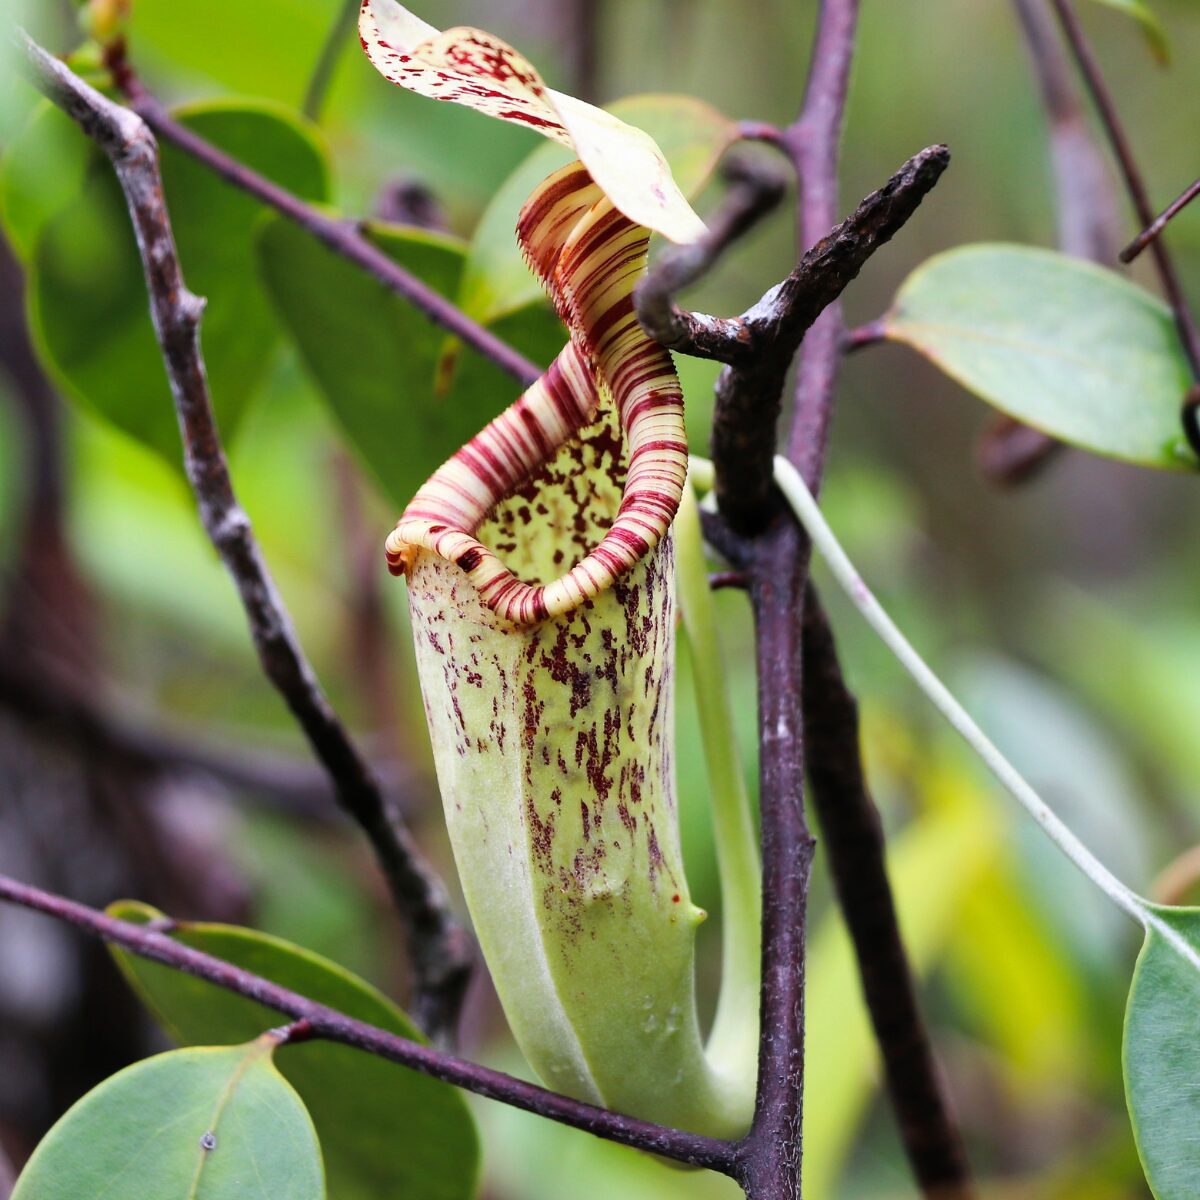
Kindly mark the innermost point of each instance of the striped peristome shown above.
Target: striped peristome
(589, 255)
(541, 584)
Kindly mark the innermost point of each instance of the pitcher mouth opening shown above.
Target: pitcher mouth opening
(588, 255)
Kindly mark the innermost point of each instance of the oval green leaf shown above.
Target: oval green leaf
(87, 295)
(1161, 1054)
(379, 361)
(213, 1123)
(692, 136)
(1063, 345)
(384, 1130)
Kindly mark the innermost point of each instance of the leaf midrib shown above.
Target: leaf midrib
(255, 1051)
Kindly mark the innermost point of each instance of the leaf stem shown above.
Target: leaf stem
(734, 1039)
(809, 514)
(331, 48)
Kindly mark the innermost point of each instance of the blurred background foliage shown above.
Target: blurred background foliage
(152, 759)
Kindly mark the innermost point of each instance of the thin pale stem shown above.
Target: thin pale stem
(809, 514)
(734, 1037)
(1128, 901)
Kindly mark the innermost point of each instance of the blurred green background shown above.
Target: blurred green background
(1063, 611)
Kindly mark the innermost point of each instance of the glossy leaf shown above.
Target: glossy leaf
(1147, 18)
(1065, 346)
(384, 1130)
(378, 360)
(692, 136)
(1162, 1056)
(88, 296)
(200, 1124)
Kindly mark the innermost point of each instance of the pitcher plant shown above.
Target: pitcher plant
(541, 581)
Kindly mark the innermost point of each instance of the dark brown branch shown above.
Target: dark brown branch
(440, 949)
(778, 562)
(342, 237)
(749, 395)
(814, 143)
(333, 1026)
(853, 839)
(1160, 222)
(772, 1149)
(754, 192)
(1093, 77)
(759, 345)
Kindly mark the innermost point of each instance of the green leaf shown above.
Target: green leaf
(201, 1124)
(1063, 345)
(378, 359)
(88, 298)
(1162, 1053)
(384, 1130)
(1152, 27)
(691, 134)
(277, 42)
(41, 173)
